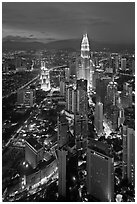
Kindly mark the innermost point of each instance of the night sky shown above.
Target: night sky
(104, 22)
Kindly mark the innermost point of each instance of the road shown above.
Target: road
(27, 84)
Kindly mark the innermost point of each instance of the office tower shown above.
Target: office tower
(121, 117)
(33, 152)
(116, 64)
(45, 78)
(74, 100)
(133, 67)
(112, 63)
(67, 74)
(112, 92)
(72, 65)
(114, 116)
(71, 176)
(126, 96)
(97, 74)
(62, 87)
(100, 171)
(26, 97)
(101, 88)
(129, 154)
(99, 117)
(29, 97)
(82, 98)
(81, 131)
(20, 96)
(62, 154)
(123, 64)
(78, 68)
(63, 129)
(69, 90)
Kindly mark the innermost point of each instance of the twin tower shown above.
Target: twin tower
(85, 65)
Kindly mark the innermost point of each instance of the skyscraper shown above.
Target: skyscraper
(81, 131)
(82, 98)
(25, 97)
(100, 171)
(99, 117)
(67, 74)
(123, 64)
(63, 129)
(129, 153)
(62, 154)
(101, 88)
(112, 92)
(45, 78)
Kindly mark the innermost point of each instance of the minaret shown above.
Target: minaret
(45, 79)
(85, 59)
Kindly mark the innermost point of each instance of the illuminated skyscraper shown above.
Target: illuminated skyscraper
(45, 78)
(84, 65)
(99, 117)
(100, 171)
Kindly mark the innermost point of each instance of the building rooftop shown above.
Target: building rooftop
(99, 147)
(33, 142)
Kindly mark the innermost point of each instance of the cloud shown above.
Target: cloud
(19, 39)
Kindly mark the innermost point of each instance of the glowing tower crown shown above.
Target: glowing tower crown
(85, 47)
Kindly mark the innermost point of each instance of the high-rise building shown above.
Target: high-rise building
(121, 117)
(82, 98)
(114, 116)
(99, 117)
(62, 154)
(62, 87)
(33, 152)
(101, 88)
(112, 92)
(26, 97)
(116, 64)
(100, 171)
(85, 58)
(81, 131)
(123, 64)
(63, 129)
(45, 78)
(129, 154)
(67, 74)
(133, 66)
(69, 91)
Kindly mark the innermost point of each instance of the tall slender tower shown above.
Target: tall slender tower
(85, 59)
(45, 79)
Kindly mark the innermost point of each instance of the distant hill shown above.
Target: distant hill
(72, 44)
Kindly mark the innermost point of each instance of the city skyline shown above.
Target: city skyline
(51, 21)
(68, 110)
